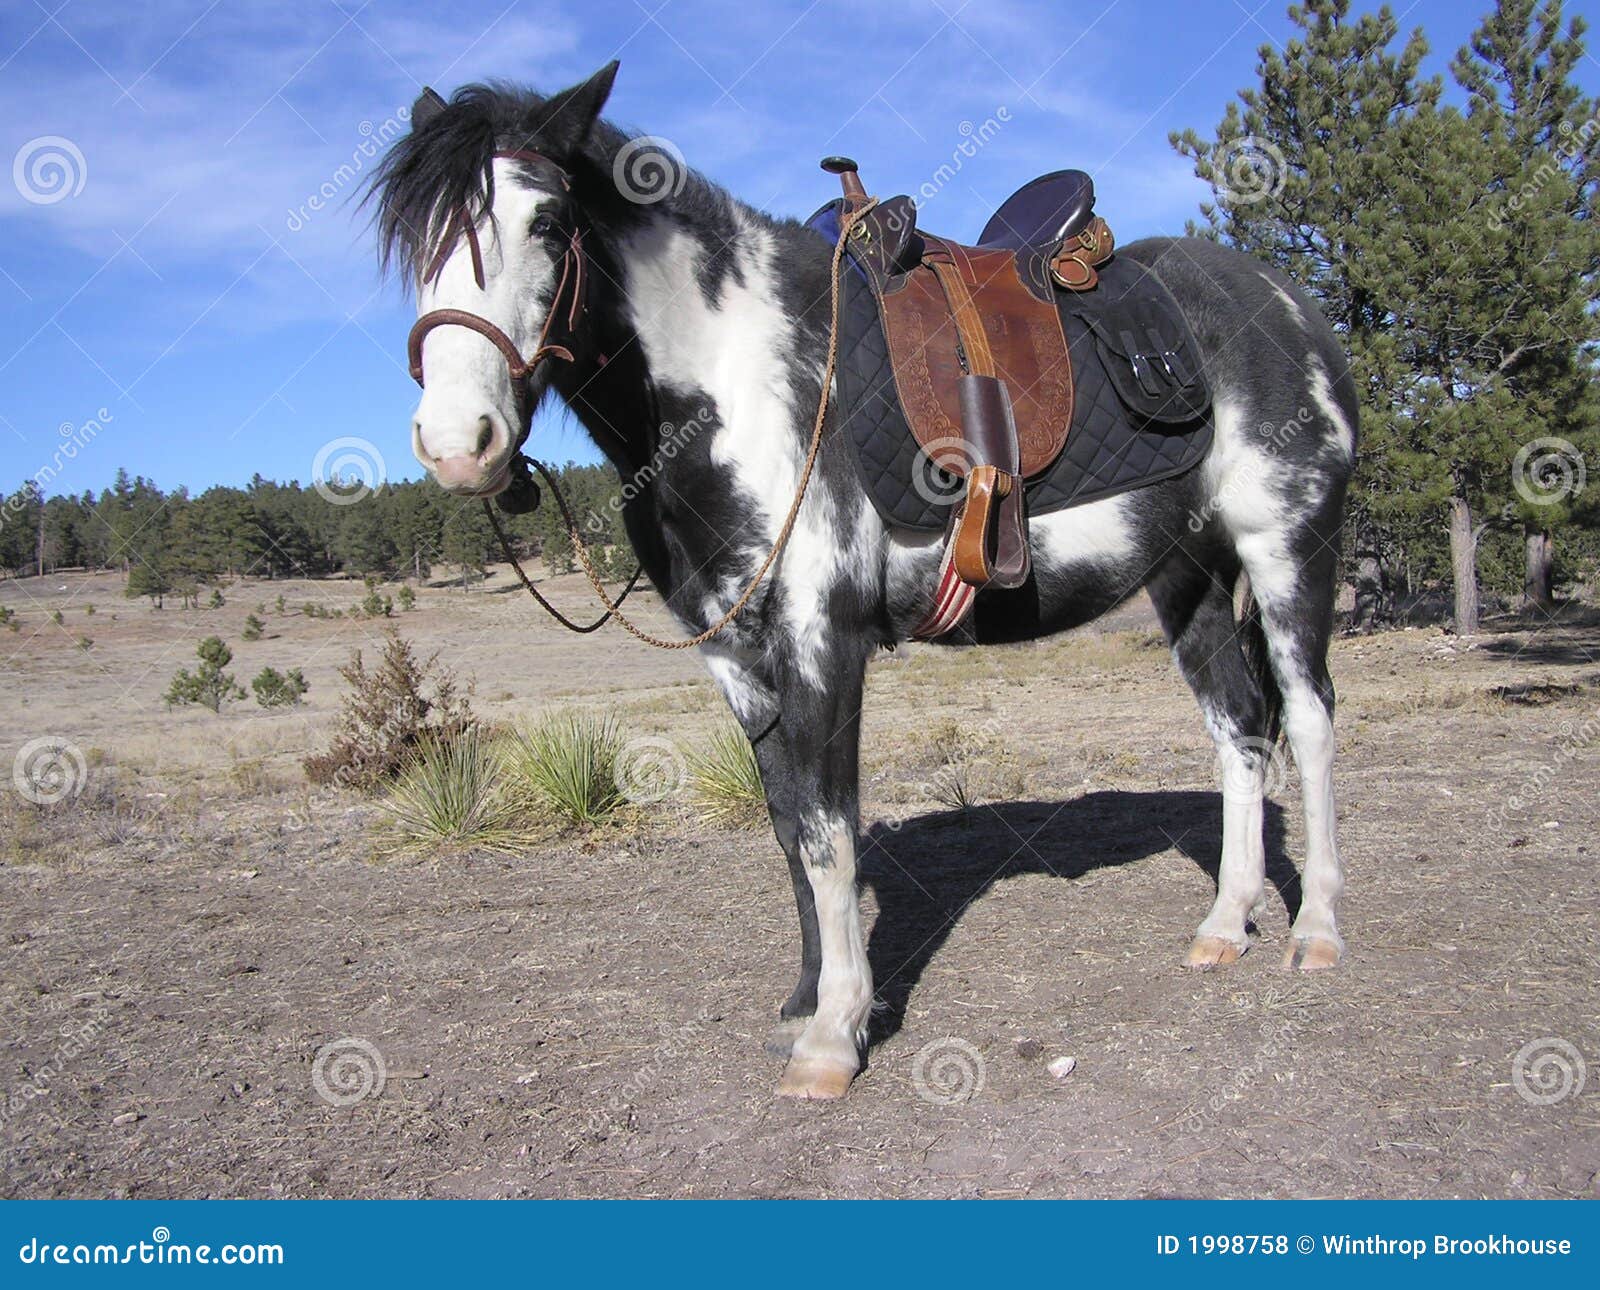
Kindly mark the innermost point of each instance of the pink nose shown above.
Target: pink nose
(464, 473)
(475, 471)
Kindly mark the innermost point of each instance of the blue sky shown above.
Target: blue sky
(184, 293)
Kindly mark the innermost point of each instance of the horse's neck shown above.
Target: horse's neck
(722, 350)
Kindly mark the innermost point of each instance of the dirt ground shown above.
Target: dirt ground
(201, 955)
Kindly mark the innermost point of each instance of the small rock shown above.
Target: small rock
(527, 1077)
(1551, 824)
(1518, 1177)
(127, 1117)
(1030, 1050)
(1063, 1066)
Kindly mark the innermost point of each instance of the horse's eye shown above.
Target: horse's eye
(542, 225)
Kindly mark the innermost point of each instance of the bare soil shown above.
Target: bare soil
(181, 939)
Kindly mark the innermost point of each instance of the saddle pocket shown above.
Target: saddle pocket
(1151, 359)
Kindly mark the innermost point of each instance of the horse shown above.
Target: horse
(553, 254)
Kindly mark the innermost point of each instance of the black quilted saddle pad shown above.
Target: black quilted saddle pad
(1119, 439)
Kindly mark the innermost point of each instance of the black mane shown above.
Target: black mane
(447, 163)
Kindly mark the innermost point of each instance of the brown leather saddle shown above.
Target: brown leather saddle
(980, 361)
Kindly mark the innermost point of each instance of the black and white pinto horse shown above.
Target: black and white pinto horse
(706, 322)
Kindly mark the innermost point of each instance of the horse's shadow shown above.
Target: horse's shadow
(926, 871)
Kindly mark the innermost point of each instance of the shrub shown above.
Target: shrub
(275, 689)
(726, 782)
(408, 599)
(85, 642)
(216, 601)
(278, 604)
(566, 766)
(55, 617)
(253, 627)
(89, 610)
(375, 604)
(386, 713)
(8, 618)
(208, 685)
(451, 792)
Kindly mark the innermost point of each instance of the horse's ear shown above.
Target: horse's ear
(571, 113)
(429, 104)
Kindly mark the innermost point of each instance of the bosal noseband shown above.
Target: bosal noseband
(571, 287)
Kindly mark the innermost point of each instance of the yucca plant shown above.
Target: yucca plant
(452, 793)
(726, 781)
(566, 766)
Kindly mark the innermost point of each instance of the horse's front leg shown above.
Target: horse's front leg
(808, 748)
(805, 728)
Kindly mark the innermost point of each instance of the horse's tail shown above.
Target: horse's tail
(1257, 658)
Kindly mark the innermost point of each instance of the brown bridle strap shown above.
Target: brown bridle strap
(570, 285)
(572, 275)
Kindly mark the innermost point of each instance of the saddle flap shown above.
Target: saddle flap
(1025, 341)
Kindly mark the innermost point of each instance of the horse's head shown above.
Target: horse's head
(477, 205)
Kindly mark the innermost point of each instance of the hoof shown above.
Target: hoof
(1311, 954)
(815, 1081)
(1213, 951)
(780, 1042)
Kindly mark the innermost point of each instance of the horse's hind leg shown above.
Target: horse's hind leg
(1196, 609)
(1292, 580)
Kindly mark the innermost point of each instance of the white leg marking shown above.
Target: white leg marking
(827, 1053)
(1241, 878)
(1311, 736)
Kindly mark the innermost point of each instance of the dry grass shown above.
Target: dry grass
(726, 782)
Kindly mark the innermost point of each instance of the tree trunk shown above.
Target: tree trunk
(1539, 569)
(1464, 565)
